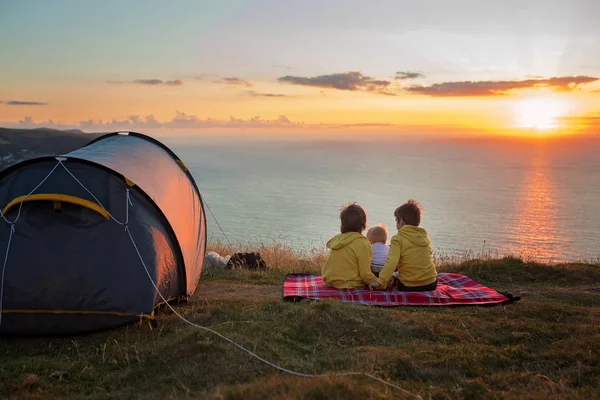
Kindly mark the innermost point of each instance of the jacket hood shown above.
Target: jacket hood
(343, 239)
(414, 234)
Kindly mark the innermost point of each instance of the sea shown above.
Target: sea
(537, 198)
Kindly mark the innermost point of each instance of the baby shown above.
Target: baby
(377, 236)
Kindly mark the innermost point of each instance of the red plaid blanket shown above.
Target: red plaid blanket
(452, 289)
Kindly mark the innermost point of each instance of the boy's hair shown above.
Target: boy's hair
(353, 218)
(410, 212)
(378, 233)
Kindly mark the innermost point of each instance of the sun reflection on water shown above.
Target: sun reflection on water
(535, 228)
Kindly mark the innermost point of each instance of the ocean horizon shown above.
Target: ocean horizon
(502, 196)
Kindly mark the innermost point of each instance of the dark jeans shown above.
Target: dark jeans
(426, 288)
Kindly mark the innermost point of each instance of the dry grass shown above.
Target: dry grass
(281, 259)
(280, 256)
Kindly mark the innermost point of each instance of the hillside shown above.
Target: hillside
(545, 346)
(20, 144)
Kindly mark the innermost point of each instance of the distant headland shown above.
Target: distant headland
(20, 144)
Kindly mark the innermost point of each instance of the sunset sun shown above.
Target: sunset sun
(540, 113)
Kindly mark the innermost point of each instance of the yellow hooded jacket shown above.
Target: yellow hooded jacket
(349, 264)
(411, 254)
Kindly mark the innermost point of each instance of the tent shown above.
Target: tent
(84, 232)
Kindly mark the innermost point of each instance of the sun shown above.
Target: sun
(540, 113)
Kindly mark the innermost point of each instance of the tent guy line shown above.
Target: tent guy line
(239, 346)
(127, 197)
(128, 204)
(215, 218)
(12, 223)
(12, 230)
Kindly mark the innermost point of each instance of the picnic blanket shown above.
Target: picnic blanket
(452, 289)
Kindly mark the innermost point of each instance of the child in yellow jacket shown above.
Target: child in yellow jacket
(410, 254)
(349, 263)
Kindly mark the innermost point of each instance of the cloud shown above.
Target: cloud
(256, 94)
(498, 88)
(152, 82)
(352, 81)
(181, 120)
(194, 123)
(149, 82)
(155, 82)
(25, 103)
(235, 81)
(403, 75)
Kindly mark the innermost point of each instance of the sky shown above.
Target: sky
(432, 66)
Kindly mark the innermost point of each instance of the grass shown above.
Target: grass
(545, 346)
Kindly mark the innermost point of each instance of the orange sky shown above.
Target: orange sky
(544, 111)
(248, 64)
